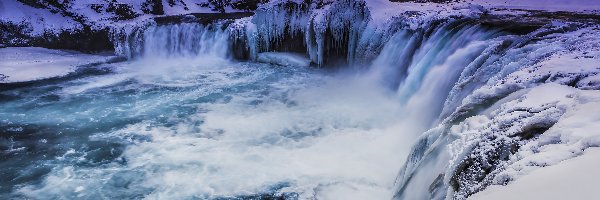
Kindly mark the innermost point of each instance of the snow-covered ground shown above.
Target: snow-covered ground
(575, 115)
(383, 7)
(18, 64)
(591, 6)
(576, 178)
(383, 10)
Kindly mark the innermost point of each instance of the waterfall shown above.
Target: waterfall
(174, 40)
(422, 68)
(299, 99)
(427, 68)
(431, 70)
(472, 79)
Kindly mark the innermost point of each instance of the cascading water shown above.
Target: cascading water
(441, 166)
(182, 120)
(185, 40)
(176, 40)
(411, 59)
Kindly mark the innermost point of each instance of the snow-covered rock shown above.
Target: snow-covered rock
(570, 179)
(518, 137)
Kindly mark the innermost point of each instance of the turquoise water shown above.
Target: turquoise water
(200, 127)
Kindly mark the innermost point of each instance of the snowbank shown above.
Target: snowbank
(591, 6)
(19, 64)
(576, 178)
(417, 14)
(528, 130)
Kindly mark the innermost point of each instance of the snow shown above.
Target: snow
(383, 11)
(415, 14)
(576, 178)
(573, 115)
(40, 20)
(545, 5)
(575, 132)
(193, 6)
(565, 69)
(43, 20)
(572, 111)
(284, 59)
(565, 58)
(21, 64)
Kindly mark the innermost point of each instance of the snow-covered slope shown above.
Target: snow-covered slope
(39, 20)
(579, 6)
(104, 12)
(576, 178)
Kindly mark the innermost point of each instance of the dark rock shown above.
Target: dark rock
(122, 11)
(219, 5)
(154, 7)
(175, 2)
(248, 5)
(202, 18)
(85, 40)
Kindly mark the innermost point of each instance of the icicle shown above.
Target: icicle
(324, 30)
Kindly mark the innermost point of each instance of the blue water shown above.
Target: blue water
(198, 128)
(47, 125)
